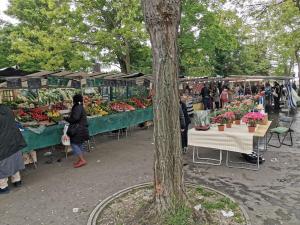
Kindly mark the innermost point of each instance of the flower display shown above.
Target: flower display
(220, 119)
(229, 116)
(253, 118)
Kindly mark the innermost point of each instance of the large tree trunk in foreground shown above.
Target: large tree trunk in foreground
(162, 19)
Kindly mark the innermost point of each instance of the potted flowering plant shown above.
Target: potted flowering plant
(221, 120)
(239, 112)
(229, 116)
(252, 119)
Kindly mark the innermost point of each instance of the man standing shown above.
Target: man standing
(11, 143)
(276, 96)
(187, 121)
(205, 92)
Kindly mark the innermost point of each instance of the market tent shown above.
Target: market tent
(12, 72)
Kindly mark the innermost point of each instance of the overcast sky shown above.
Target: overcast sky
(3, 7)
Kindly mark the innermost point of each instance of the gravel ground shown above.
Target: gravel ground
(51, 192)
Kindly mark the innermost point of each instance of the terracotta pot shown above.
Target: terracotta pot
(238, 122)
(221, 127)
(228, 125)
(251, 129)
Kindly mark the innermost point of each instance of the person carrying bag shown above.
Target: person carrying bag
(78, 129)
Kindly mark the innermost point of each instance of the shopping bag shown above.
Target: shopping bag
(65, 139)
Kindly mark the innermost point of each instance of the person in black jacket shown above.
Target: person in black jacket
(78, 129)
(11, 144)
(276, 96)
(187, 121)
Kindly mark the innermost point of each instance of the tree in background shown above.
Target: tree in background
(278, 23)
(43, 38)
(5, 44)
(216, 41)
(115, 29)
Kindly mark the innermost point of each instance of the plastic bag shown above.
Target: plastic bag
(65, 139)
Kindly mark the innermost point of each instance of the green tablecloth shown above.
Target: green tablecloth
(52, 135)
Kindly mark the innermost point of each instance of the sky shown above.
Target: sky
(3, 7)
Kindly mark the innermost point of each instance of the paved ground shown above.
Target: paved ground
(270, 196)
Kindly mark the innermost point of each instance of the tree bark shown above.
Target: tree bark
(123, 64)
(162, 18)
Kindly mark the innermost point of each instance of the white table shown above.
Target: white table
(235, 139)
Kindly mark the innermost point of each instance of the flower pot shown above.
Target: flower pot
(228, 125)
(202, 128)
(238, 122)
(221, 127)
(251, 129)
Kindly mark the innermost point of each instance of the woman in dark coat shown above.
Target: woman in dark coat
(187, 121)
(78, 129)
(11, 143)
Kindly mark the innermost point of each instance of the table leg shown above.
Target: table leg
(207, 161)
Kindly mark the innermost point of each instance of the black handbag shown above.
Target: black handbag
(72, 129)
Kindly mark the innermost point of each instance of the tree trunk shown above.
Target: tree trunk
(123, 64)
(124, 60)
(162, 19)
(127, 57)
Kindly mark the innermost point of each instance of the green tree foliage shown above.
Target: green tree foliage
(5, 44)
(215, 41)
(279, 23)
(116, 30)
(283, 22)
(71, 34)
(44, 37)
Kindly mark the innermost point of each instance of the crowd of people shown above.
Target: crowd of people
(216, 95)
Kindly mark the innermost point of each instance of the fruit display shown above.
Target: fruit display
(54, 115)
(29, 115)
(59, 106)
(94, 109)
(121, 107)
(23, 116)
(136, 103)
(38, 114)
(47, 106)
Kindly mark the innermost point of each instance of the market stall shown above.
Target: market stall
(51, 135)
(231, 129)
(41, 100)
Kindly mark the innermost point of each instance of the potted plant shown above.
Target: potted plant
(229, 117)
(252, 119)
(221, 120)
(201, 120)
(238, 114)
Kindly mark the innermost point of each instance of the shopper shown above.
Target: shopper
(268, 97)
(11, 143)
(187, 121)
(216, 97)
(224, 97)
(78, 129)
(276, 96)
(205, 92)
(182, 123)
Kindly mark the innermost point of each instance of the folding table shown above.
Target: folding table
(235, 139)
